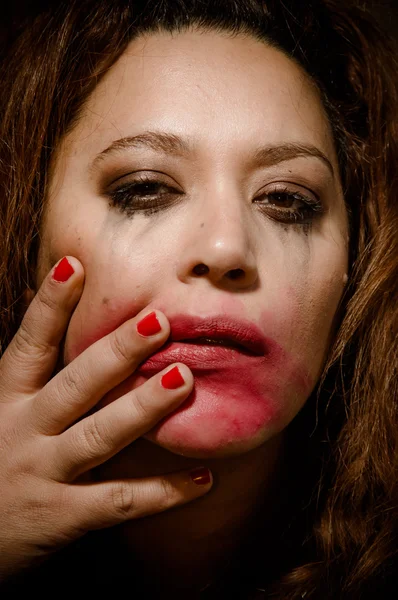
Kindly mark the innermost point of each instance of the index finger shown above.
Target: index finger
(30, 359)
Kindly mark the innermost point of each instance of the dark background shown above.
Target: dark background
(12, 13)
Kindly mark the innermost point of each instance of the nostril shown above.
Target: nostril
(236, 274)
(201, 269)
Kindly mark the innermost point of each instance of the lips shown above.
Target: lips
(222, 341)
(220, 331)
(211, 344)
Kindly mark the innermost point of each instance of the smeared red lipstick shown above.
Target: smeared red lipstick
(246, 385)
(210, 344)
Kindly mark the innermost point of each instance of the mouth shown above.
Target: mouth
(219, 331)
(217, 344)
(222, 341)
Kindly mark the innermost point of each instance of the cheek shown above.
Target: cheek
(99, 313)
(123, 275)
(305, 299)
(91, 322)
(305, 325)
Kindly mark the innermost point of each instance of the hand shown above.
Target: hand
(47, 442)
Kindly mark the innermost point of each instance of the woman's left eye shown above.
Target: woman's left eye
(289, 206)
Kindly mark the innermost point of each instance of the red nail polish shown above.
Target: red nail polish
(200, 476)
(173, 379)
(63, 271)
(149, 325)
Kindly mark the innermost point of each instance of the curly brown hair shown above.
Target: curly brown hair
(347, 534)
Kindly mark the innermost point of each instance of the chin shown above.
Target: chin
(241, 398)
(218, 427)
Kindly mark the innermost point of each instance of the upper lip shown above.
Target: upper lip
(232, 331)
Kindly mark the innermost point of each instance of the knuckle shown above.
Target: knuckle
(46, 510)
(19, 468)
(123, 500)
(168, 496)
(25, 341)
(71, 382)
(141, 407)
(119, 347)
(46, 299)
(93, 437)
(24, 458)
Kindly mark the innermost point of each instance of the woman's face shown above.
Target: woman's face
(202, 180)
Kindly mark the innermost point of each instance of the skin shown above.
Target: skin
(228, 97)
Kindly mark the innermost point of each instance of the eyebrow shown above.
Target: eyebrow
(168, 143)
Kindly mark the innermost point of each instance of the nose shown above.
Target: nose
(218, 245)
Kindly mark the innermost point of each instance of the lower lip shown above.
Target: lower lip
(237, 395)
(198, 357)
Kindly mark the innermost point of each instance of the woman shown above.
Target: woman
(199, 219)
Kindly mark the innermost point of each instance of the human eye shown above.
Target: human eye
(144, 192)
(288, 205)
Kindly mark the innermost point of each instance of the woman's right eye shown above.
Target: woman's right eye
(143, 195)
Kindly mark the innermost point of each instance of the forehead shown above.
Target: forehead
(217, 88)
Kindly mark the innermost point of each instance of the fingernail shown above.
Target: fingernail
(173, 379)
(200, 476)
(149, 325)
(63, 271)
